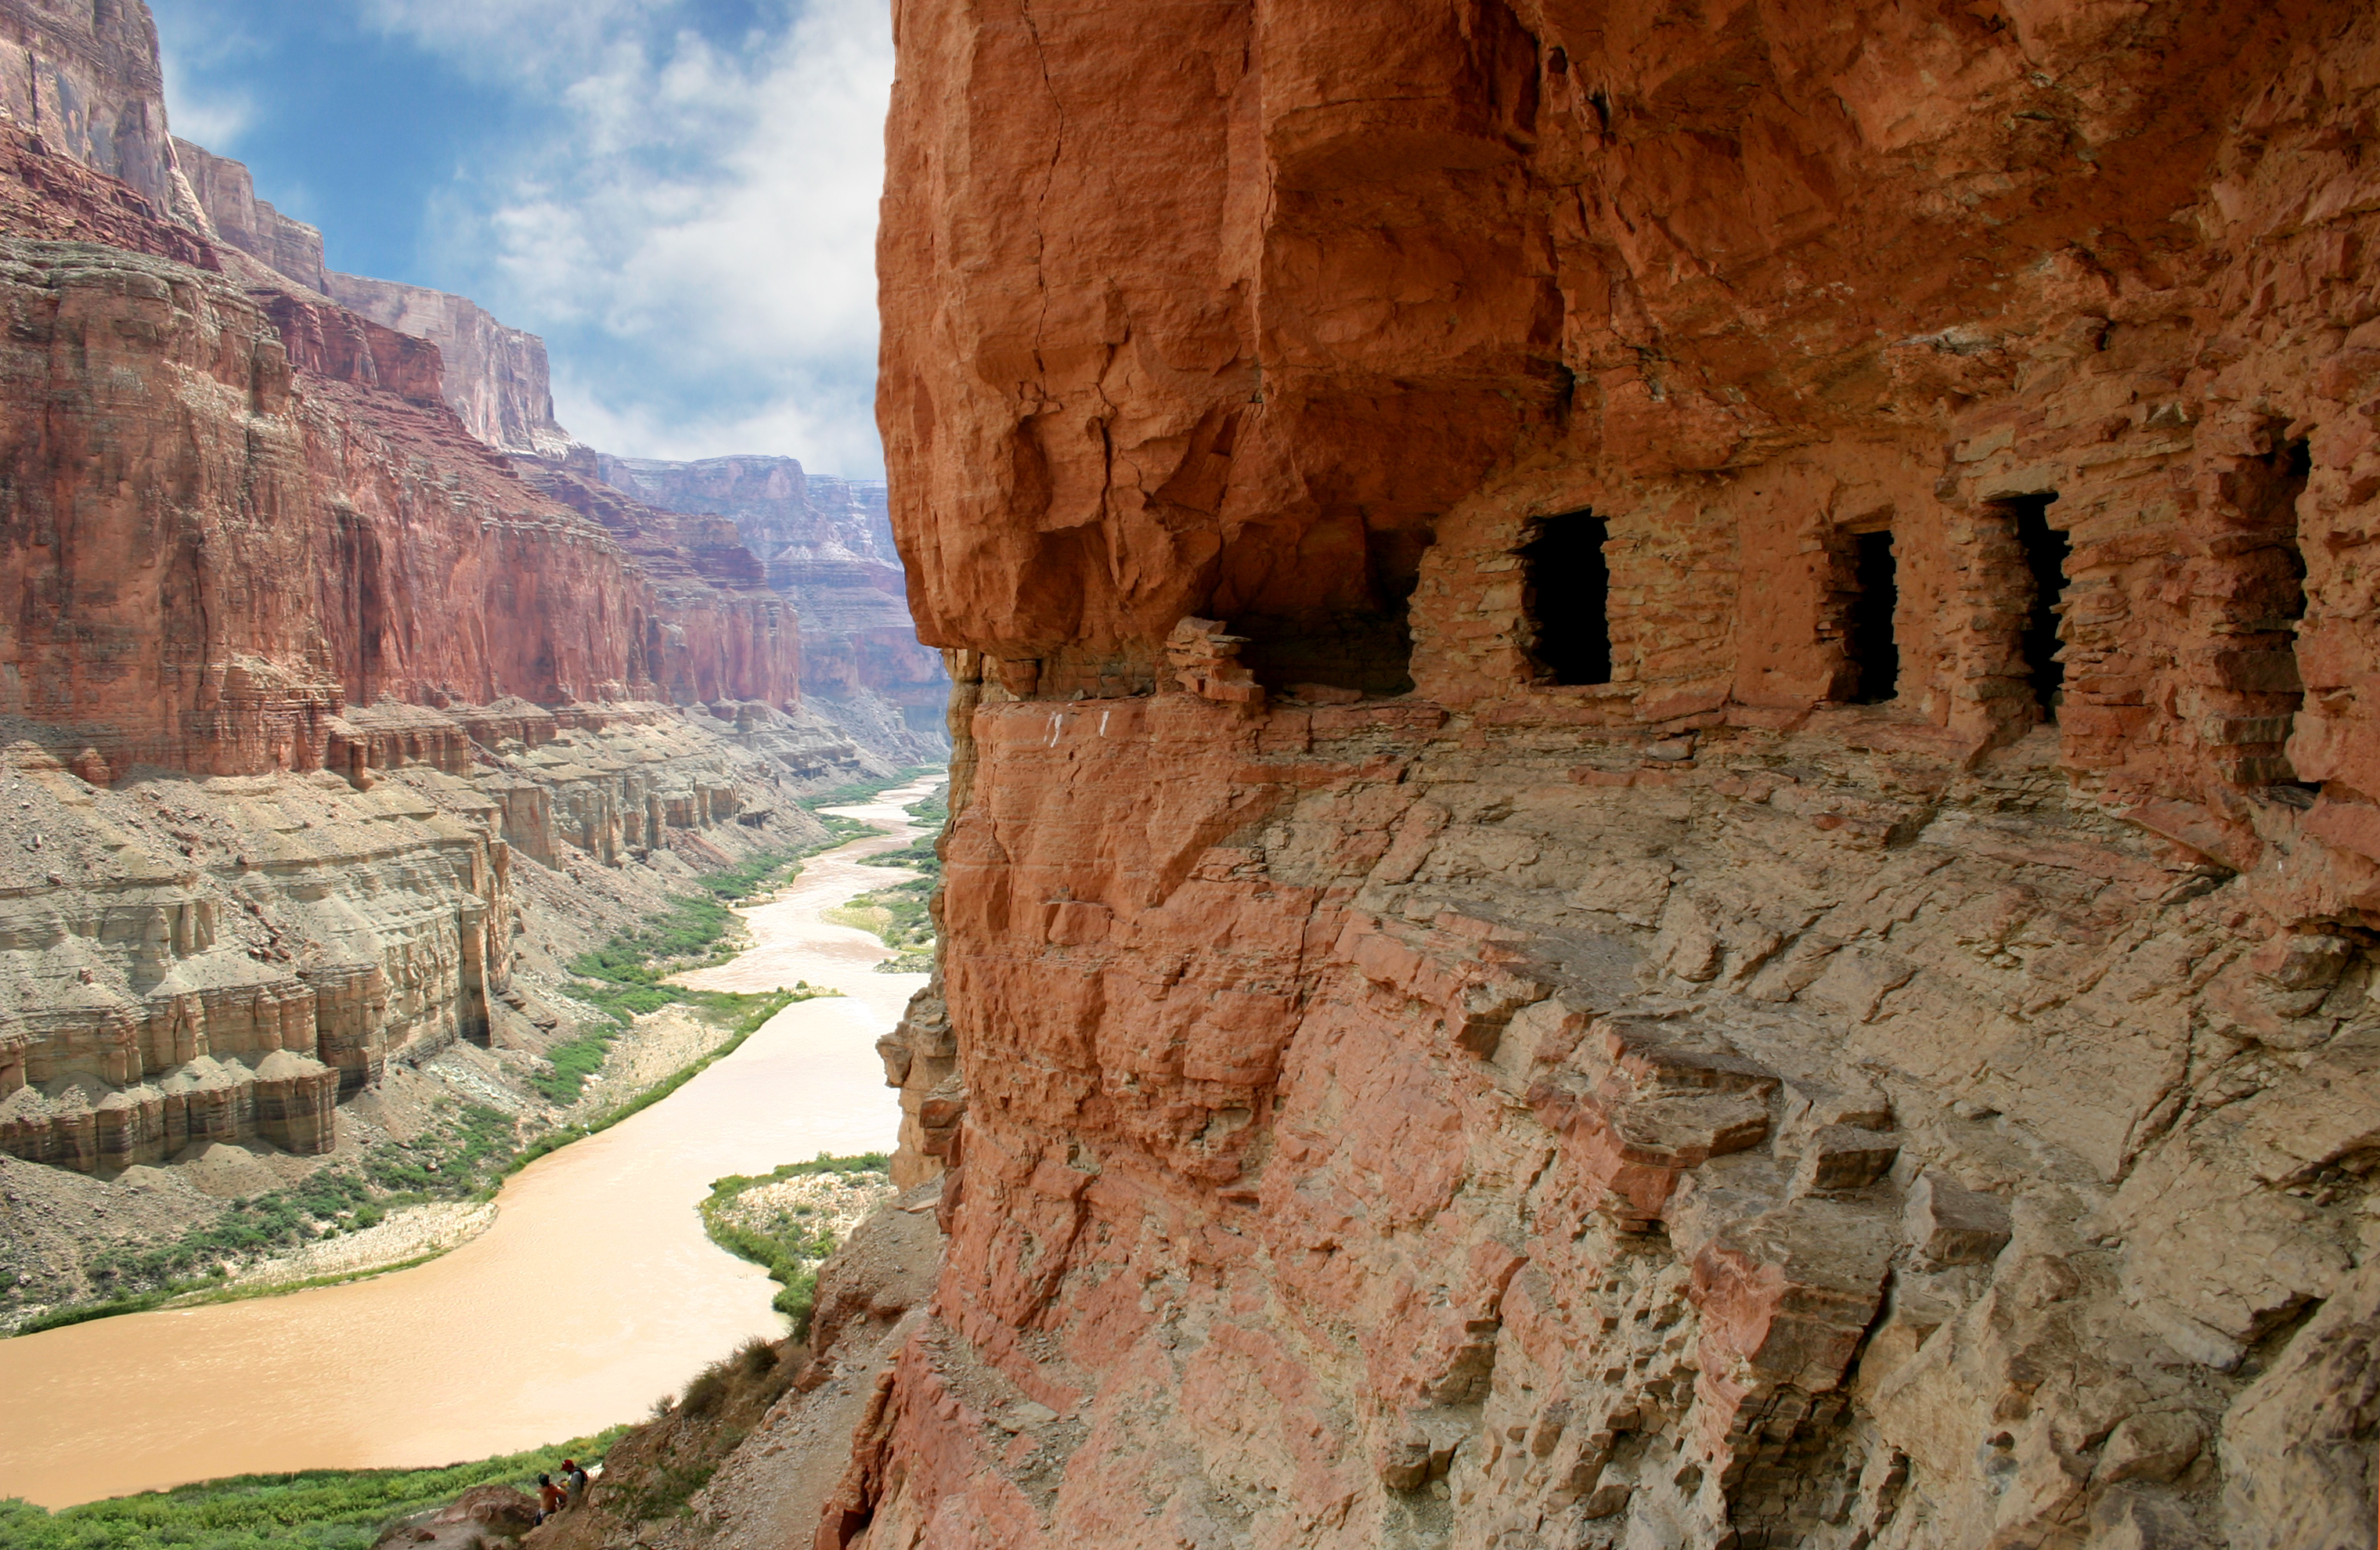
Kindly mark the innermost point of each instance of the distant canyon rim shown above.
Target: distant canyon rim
(1663, 828)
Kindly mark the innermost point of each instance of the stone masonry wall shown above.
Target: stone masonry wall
(1388, 1095)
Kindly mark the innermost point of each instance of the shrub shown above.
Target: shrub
(792, 1250)
(314, 1510)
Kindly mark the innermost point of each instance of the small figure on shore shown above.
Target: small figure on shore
(550, 1498)
(574, 1480)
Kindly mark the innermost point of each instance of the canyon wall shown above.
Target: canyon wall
(235, 458)
(82, 77)
(1667, 825)
(227, 194)
(497, 378)
(827, 544)
(304, 689)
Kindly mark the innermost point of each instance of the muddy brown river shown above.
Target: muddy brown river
(594, 1293)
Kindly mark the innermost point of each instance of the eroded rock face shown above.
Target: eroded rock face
(1744, 913)
(297, 670)
(183, 962)
(496, 376)
(827, 544)
(83, 80)
(227, 194)
(426, 571)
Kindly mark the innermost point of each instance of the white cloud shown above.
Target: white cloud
(695, 231)
(200, 111)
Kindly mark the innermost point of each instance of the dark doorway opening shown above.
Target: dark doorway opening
(1867, 630)
(1566, 597)
(2293, 465)
(1367, 647)
(2045, 550)
(2268, 610)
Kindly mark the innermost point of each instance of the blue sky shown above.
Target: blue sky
(680, 195)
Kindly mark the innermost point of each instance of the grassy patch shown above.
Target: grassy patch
(790, 1248)
(623, 978)
(898, 917)
(859, 791)
(467, 1152)
(755, 1011)
(472, 1147)
(316, 1509)
(917, 855)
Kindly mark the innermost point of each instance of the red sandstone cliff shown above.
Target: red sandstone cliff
(227, 194)
(245, 538)
(497, 378)
(264, 436)
(826, 544)
(1756, 927)
(82, 77)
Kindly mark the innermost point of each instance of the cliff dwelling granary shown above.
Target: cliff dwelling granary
(1667, 820)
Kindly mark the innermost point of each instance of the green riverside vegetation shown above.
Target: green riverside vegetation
(474, 1146)
(790, 1248)
(317, 1510)
(899, 916)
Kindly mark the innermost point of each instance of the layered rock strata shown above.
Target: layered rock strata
(84, 80)
(1744, 913)
(428, 571)
(227, 194)
(297, 668)
(186, 961)
(497, 378)
(826, 544)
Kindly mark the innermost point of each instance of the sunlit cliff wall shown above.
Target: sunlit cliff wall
(297, 675)
(1756, 927)
(498, 379)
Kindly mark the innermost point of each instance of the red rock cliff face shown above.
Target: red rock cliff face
(243, 536)
(497, 377)
(1755, 927)
(289, 520)
(227, 194)
(827, 544)
(82, 77)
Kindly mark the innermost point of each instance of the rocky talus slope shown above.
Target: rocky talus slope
(1757, 924)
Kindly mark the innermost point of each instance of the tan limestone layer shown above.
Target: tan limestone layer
(190, 962)
(1390, 1098)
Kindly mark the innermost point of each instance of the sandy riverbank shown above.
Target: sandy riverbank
(594, 1291)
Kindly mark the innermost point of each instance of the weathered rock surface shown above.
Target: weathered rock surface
(227, 194)
(184, 962)
(1410, 1082)
(299, 676)
(827, 544)
(496, 376)
(83, 80)
(429, 573)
